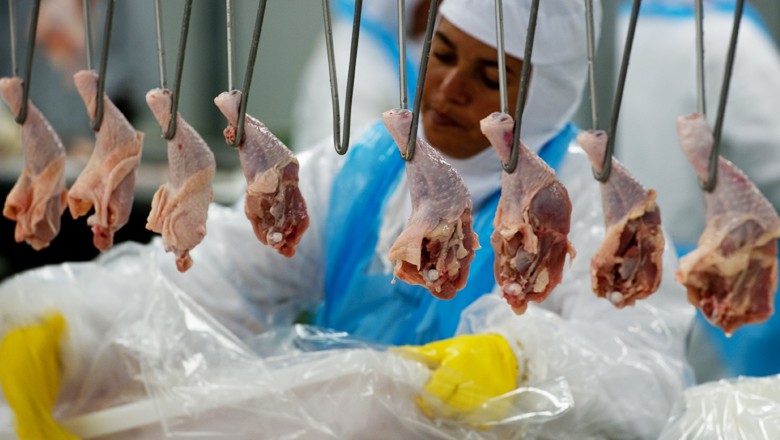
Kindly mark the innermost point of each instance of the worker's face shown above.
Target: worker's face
(462, 88)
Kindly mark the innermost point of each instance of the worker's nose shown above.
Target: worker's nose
(455, 87)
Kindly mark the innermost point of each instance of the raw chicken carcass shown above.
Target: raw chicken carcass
(274, 203)
(108, 180)
(436, 247)
(37, 200)
(531, 224)
(628, 265)
(60, 33)
(180, 206)
(732, 275)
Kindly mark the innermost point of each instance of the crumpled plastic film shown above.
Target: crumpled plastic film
(743, 408)
(143, 360)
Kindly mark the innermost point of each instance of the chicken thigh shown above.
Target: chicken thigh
(628, 265)
(180, 206)
(274, 204)
(437, 246)
(732, 275)
(108, 180)
(531, 224)
(37, 200)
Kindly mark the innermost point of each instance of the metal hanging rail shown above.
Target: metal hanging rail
(606, 168)
(22, 116)
(343, 145)
(712, 178)
(412, 142)
(525, 76)
(250, 68)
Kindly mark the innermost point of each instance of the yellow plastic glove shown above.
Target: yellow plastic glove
(467, 371)
(30, 377)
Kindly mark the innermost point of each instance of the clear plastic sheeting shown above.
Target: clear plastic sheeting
(143, 360)
(744, 408)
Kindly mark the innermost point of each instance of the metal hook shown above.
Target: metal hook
(412, 142)
(250, 68)
(341, 148)
(525, 75)
(104, 57)
(404, 104)
(22, 116)
(701, 100)
(229, 37)
(591, 37)
(179, 67)
(160, 44)
(606, 167)
(501, 56)
(12, 29)
(712, 178)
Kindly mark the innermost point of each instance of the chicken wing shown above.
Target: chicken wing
(108, 180)
(732, 275)
(274, 204)
(436, 247)
(531, 224)
(628, 265)
(180, 206)
(37, 200)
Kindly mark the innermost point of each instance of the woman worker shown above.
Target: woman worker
(622, 369)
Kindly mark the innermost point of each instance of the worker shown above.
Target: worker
(647, 142)
(377, 62)
(616, 373)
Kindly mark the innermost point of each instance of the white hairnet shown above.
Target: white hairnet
(559, 57)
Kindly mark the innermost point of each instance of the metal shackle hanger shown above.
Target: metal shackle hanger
(22, 116)
(98, 121)
(170, 132)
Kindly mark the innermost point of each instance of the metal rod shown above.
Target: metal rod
(402, 53)
(606, 167)
(700, 97)
(160, 44)
(501, 56)
(250, 68)
(525, 75)
(103, 65)
(87, 33)
(22, 116)
(341, 147)
(229, 30)
(12, 28)
(412, 142)
(712, 179)
(185, 26)
(591, 36)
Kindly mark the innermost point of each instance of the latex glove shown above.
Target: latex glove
(468, 371)
(30, 377)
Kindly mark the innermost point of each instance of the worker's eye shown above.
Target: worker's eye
(490, 79)
(444, 56)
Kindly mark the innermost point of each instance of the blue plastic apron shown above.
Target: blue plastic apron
(359, 298)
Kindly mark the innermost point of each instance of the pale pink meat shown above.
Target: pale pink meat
(37, 200)
(732, 275)
(274, 203)
(531, 224)
(180, 206)
(60, 33)
(108, 180)
(628, 265)
(436, 247)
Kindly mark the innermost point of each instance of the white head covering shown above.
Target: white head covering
(559, 59)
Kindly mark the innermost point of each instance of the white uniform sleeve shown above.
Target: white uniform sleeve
(625, 368)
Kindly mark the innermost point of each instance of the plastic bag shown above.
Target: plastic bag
(744, 408)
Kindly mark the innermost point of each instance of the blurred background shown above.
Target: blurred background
(290, 35)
